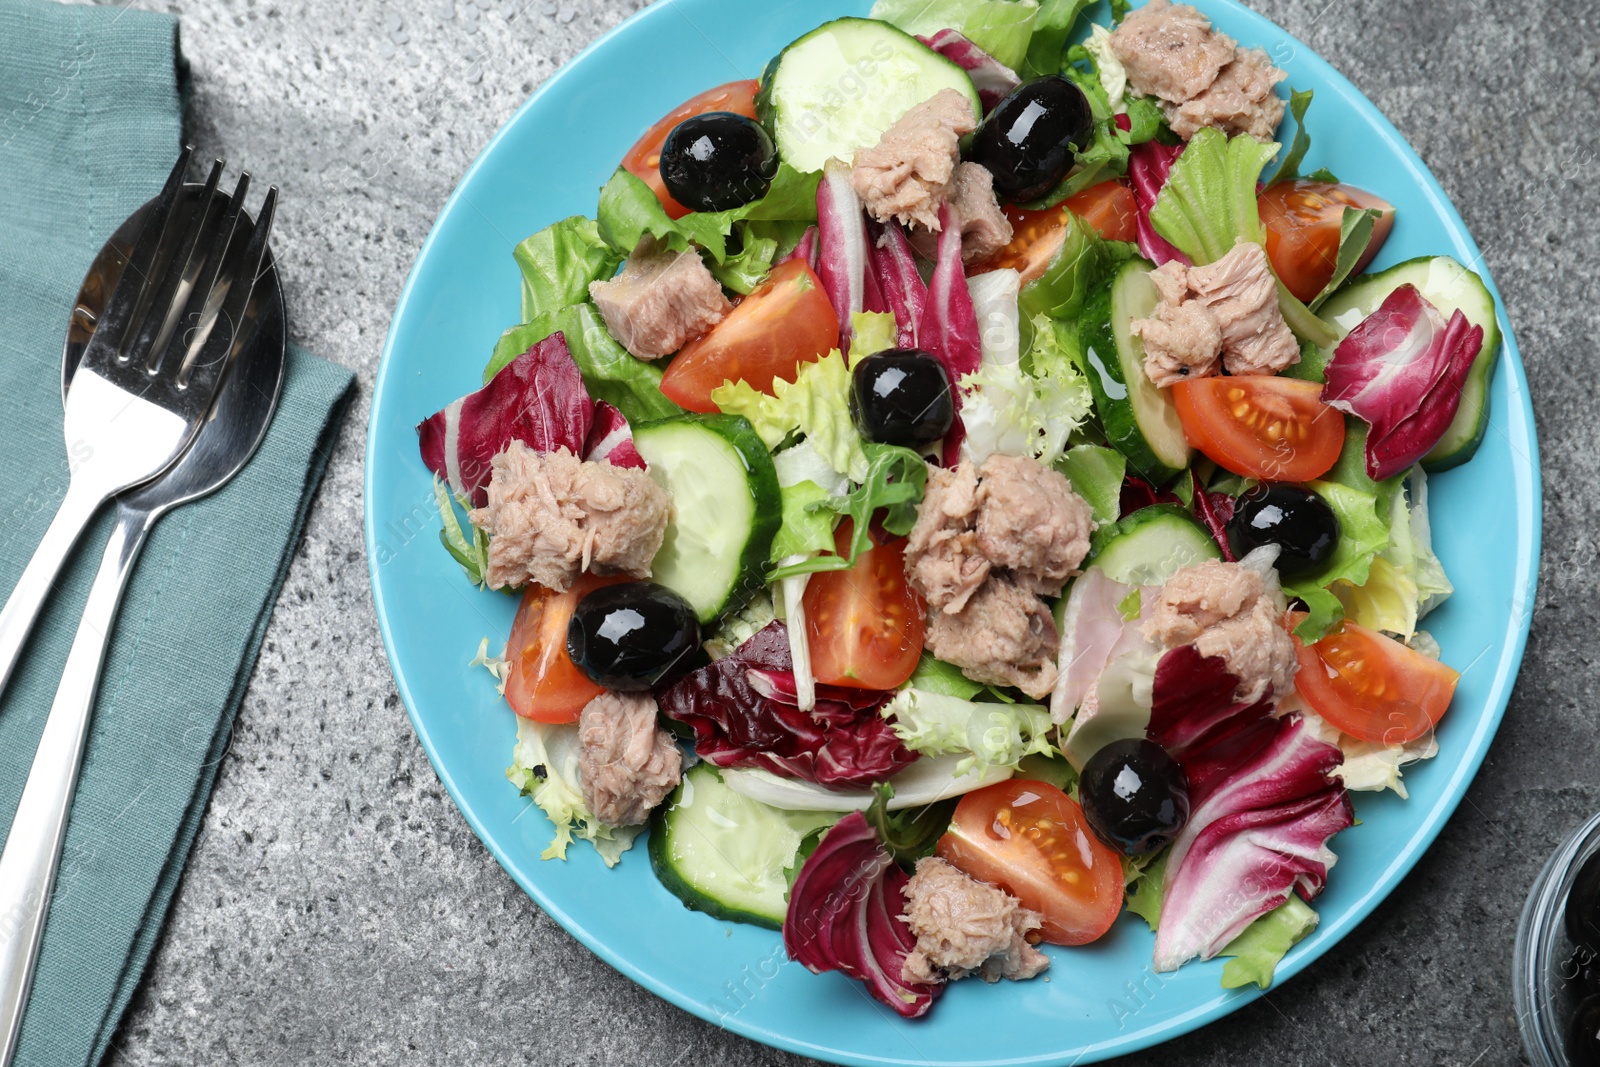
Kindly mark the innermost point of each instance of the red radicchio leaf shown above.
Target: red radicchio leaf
(1241, 867)
(806, 250)
(842, 254)
(949, 325)
(538, 399)
(1262, 807)
(1148, 167)
(1214, 510)
(1401, 371)
(611, 439)
(1138, 493)
(992, 78)
(845, 915)
(903, 292)
(744, 713)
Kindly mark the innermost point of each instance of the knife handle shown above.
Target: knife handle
(83, 499)
(32, 854)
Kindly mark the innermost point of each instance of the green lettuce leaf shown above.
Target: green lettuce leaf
(816, 403)
(1363, 510)
(990, 734)
(936, 676)
(1407, 580)
(630, 385)
(1096, 473)
(1257, 951)
(874, 331)
(544, 766)
(807, 528)
(1003, 28)
(747, 268)
(559, 262)
(1145, 884)
(1051, 30)
(472, 553)
(1209, 202)
(629, 210)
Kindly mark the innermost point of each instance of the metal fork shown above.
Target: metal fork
(145, 383)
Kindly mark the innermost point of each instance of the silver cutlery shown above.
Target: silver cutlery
(249, 332)
(146, 379)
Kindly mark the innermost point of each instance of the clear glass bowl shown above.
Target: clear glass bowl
(1540, 966)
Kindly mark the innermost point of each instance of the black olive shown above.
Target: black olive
(1583, 905)
(632, 635)
(717, 161)
(901, 397)
(1583, 1033)
(1027, 141)
(1134, 795)
(1298, 521)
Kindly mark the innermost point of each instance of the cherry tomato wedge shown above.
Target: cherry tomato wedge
(1276, 429)
(1373, 687)
(785, 322)
(1032, 840)
(643, 160)
(1302, 220)
(1036, 236)
(864, 625)
(544, 684)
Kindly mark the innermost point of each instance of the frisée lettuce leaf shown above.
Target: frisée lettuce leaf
(544, 765)
(986, 735)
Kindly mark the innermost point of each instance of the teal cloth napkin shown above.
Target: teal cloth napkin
(90, 120)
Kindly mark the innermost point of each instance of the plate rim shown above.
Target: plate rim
(1528, 488)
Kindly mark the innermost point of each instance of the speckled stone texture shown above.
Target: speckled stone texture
(337, 909)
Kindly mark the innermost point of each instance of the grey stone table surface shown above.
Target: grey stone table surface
(338, 909)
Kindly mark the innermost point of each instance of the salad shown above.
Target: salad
(966, 485)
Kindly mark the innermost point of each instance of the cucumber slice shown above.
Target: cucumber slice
(840, 86)
(725, 508)
(1147, 547)
(725, 854)
(1140, 420)
(1450, 287)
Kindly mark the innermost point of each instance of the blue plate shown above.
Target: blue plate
(549, 161)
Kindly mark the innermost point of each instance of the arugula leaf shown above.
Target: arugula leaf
(1289, 169)
(1261, 946)
(1119, 10)
(1355, 234)
(808, 845)
(630, 385)
(894, 483)
(911, 833)
(559, 262)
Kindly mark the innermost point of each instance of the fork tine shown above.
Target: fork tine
(132, 287)
(242, 271)
(147, 347)
(195, 312)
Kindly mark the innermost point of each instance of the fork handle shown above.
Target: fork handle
(32, 852)
(83, 499)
